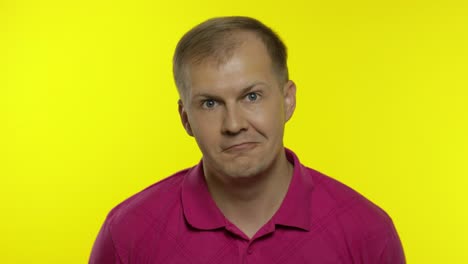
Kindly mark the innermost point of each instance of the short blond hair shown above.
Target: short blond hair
(215, 39)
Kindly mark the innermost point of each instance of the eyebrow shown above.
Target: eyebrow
(242, 92)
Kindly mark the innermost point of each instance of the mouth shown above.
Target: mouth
(241, 147)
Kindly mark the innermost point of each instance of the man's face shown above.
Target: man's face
(237, 111)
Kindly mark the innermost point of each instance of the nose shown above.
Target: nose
(234, 121)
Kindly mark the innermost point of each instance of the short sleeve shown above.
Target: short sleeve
(393, 252)
(384, 247)
(103, 251)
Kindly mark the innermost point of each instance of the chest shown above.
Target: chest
(222, 246)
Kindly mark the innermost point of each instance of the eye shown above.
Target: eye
(210, 103)
(252, 97)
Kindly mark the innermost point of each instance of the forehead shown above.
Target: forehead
(248, 62)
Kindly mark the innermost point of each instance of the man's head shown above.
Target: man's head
(216, 39)
(234, 100)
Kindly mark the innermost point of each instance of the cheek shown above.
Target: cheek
(268, 119)
(204, 127)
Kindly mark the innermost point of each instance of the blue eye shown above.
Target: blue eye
(252, 97)
(209, 103)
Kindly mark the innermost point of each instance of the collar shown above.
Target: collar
(199, 208)
(201, 211)
(295, 210)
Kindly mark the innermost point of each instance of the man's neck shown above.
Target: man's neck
(250, 203)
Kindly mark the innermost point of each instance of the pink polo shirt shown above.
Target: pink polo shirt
(176, 221)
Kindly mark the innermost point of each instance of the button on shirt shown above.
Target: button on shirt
(319, 221)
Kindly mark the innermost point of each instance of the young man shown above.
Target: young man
(249, 200)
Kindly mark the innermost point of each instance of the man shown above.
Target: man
(249, 200)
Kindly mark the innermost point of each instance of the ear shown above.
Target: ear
(184, 118)
(289, 95)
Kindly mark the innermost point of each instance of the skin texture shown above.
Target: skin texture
(237, 111)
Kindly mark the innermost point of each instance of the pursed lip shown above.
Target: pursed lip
(240, 147)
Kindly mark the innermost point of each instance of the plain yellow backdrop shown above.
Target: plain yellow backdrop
(88, 112)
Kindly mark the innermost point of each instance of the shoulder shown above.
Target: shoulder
(143, 209)
(128, 225)
(351, 220)
(343, 202)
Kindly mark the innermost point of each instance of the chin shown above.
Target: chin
(247, 170)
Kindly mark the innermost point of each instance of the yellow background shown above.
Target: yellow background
(88, 112)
